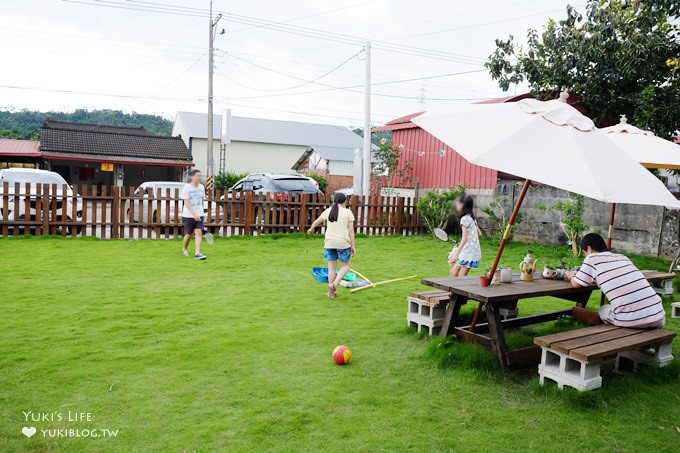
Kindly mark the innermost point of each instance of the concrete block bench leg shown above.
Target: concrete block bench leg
(423, 316)
(675, 310)
(664, 288)
(630, 360)
(565, 370)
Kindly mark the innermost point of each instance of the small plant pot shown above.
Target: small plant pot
(484, 280)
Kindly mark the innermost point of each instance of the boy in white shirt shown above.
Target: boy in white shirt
(192, 196)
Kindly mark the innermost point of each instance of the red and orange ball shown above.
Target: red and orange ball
(342, 355)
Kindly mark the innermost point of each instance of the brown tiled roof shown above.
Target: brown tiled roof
(109, 142)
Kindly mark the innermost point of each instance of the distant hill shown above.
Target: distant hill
(25, 124)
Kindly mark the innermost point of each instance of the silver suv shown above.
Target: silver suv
(64, 202)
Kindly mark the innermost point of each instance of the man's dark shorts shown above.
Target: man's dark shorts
(191, 225)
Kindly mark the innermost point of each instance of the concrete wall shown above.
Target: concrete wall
(647, 230)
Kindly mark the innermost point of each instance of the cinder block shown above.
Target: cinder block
(630, 360)
(508, 313)
(664, 288)
(565, 370)
(433, 326)
(425, 314)
(675, 310)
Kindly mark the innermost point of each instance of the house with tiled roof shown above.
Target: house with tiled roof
(111, 155)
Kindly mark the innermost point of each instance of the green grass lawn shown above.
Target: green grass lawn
(234, 354)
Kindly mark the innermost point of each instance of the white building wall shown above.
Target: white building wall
(199, 151)
(341, 168)
(253, 157)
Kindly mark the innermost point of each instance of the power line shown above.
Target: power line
(466, 27)
(351, 88)
(309, 16)
(283, 27)
(268, 63)
(99, 93)
(305, 81)
(172, 81)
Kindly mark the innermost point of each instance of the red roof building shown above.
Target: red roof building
(14, 153)
(433, 163)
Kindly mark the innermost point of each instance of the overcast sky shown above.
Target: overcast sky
(63, 55)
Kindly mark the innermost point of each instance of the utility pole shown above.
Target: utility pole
(211, 66)
(366, 185)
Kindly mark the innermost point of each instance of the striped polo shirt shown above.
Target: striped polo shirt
(633, 300)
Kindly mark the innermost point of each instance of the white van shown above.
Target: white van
(22, 176)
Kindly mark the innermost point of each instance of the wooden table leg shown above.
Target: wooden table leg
(498, 345)
(452, 312)
(582, 299)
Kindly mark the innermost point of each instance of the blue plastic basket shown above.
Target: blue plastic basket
(321, 274)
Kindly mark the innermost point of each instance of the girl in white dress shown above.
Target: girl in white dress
(468, 253)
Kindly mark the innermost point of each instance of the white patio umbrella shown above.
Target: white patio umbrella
(548, 142)
(646, 148)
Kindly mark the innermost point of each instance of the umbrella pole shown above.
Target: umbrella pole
(501, 246)
(610, 234)
(612, 213)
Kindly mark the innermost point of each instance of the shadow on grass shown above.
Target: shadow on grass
(616, 389)
(449, 353)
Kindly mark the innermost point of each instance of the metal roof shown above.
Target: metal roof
(19, 148)
(404, 122)
(332, 142)
(196, 124)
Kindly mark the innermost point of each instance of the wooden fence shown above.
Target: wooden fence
(122, 212)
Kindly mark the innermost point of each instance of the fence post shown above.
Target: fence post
(399, 217)
(46, 207)
(115, 213)
(303, 212)
(249, 211)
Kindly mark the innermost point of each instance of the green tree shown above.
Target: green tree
(376, 137)
(435, 206)
(224, 181)
(498, 215)
(570, 216)
(386, 167)
(25, 124)
(323, 182)
(621, 57)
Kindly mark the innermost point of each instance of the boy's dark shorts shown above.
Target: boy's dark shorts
(191, 225)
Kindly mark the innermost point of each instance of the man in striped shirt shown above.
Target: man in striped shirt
(632, 300)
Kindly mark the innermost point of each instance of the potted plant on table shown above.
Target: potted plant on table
(485, 280)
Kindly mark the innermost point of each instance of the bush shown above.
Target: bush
(323, 183)
(570, 218)
(224, 181)
(435, 206)
(498, 218)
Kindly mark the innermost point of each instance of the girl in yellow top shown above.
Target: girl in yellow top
(339, 242)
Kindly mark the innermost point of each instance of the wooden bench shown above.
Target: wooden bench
(573, 358)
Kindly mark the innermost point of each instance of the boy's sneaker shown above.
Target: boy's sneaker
(185, 252)
(200, 256)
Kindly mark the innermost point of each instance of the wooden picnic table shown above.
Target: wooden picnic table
(491, 334)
